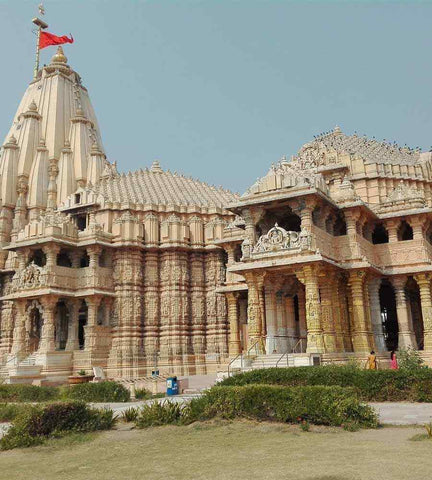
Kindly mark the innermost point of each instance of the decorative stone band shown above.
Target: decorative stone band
(31, 277)
(277, 239)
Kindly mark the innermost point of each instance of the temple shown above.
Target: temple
(325, 258)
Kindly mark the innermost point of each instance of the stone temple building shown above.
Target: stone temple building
(326, 257)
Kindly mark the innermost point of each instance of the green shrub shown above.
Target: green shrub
(142, 394)
(27, 393)
(8, 411)
(96, 392)
(130, 414)
(305, 405)
(39, 423)
(410, 360)
(381, 385)
(156, 414)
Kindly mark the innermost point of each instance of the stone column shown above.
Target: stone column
(375, 310)
(302, 311)
(406, 337)
(360, 333)
(336, 298)
(392, 228)
(423, 281)
(327, 320)
(73, 340)
(255, 283)
(234, 332)
(151, 306)
(91, 338)
(306, 218)
(19, 331)
(94, 252)
(75, 257)
(309, 277)
(51, 251)
(47, 341)
(270, 315)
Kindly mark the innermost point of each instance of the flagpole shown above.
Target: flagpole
(41, 26)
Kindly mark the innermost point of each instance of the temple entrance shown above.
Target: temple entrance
(82, 322)
(35, 331)
(389, 315)
(413, 297)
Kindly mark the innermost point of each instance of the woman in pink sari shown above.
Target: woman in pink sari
(394, 363)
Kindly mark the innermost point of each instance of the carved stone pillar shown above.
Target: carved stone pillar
(73, 340)
(302, 311)
(251, 217)
(151, 305)
(217, 321)
(126, 343)
(423, 281)
(360, 333)
(47, 341)
(327, 320)
(309, 277)
(375, 310)
(7, 327)
(271, 320)
(406, 337)
(306, 218)
(19, 331)
(336, 297)
(351, 218)
(94, 252)
(234, 332)
(344, 299)
(198, 303)
(51, 251)
(91, 337)
(75, 257)
(255, 282)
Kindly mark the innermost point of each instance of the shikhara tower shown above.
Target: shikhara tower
(98, 268)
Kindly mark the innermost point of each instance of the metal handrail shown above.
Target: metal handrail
(293, 350)
(252, 346)
(233, 360)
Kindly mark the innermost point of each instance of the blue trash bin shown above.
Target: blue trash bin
(172, 386)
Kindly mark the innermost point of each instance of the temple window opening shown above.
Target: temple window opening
(380, 234)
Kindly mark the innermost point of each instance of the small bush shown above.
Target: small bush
(130, 414)
(410, 360)
(96, 392)
(142, 394)
(382, 385)
(9, 411)
(311, 405)
(37, 424)
(27, 393)
(156, 414)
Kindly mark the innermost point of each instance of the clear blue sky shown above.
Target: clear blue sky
(221, 89)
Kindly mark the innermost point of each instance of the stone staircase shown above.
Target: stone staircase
(270, 361)
(16, 370)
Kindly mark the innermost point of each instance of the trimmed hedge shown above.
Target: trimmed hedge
(27, 393)
(370, 385)
(9, 411)
(96, 392)
(318, 405)
(36, 424)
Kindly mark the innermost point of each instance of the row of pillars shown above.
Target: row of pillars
(336, 319)
(47, 339)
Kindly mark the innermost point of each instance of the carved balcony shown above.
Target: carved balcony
(34, 278)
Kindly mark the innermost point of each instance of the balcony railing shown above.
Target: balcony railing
(34, 277)
(278, 240)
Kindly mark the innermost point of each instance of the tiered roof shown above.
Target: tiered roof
(371, 150)
(156, 186)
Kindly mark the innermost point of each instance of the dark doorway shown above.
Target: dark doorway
(389, 315)
(36, 322)
(82, 322)
(62, 323)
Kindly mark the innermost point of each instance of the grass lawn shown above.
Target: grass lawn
(221, 450)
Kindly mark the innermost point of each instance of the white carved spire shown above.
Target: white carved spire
(66, 183)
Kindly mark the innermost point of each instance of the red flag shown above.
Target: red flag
(47, 39)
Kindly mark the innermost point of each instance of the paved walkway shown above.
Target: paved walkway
(401, 413)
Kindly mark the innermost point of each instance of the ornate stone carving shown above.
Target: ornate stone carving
(278, 239)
